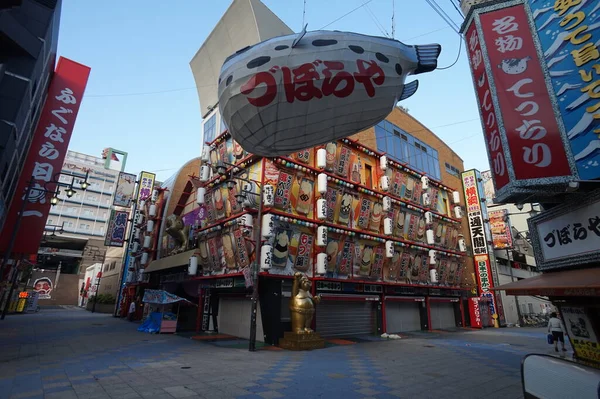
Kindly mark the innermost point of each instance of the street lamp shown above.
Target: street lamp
(221, 169)
(95, 251)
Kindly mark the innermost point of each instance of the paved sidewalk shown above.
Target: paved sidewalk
(71, 353)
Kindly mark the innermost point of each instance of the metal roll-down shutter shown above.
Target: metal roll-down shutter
(442, 315)
(346, 316)
(403, 314)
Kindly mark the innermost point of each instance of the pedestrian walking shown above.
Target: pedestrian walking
(131, 313)
(556, 328)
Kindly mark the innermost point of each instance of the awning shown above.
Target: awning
(161, 297)
(584, 282)
(170, 261)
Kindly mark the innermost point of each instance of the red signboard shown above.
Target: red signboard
(487, 109)
(532, 132)
(475, 313)
(46, 155)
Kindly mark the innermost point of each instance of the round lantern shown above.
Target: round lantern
(268, 225)
(428, 217)
(389, 249)
(144, 258)
(193, 265)
(246, 220)
(433, 276)
(150, 225)
(321, 158)
(322, 183)
(321, 209)
(383, 162)
(387, 226)
(205, 154)
(384, 182)
(204, 173)
(387, 204)
(462, 245)
(321, 263)
(147, 241)
(455, 197)
(432, 256)
(266, 257)
(268, 116)
(430, 237)
(135, 246)
(200, 193)
(268, 195)
(152, 210)
(458, 212)
(322, 236)
(426, 199)
(425, 182)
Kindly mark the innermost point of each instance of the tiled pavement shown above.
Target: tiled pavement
(72, 353)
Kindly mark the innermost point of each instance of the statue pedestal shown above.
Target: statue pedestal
(301, 342)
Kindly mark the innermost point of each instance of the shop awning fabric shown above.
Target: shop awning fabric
(584, 282)
(170, 261)
(161, 297)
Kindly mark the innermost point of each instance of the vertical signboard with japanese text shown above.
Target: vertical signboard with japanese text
(117, 226)
(477, 228)
(500, 226)
(146, 185)
(524, 134)
(568, 35)
(45, 158)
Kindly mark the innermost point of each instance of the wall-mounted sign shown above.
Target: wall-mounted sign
(125, 190)
(117, 226)
(581, 333)
(527, 144)
(146, 185)
(474, 213)
(567, 235)
(501, 230)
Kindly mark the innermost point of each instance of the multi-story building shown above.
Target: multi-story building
(206, 224)
(28, 42)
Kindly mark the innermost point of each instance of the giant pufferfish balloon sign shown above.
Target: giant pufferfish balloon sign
(298, 91)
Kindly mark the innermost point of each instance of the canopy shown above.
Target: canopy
(162, 297)
(583, 282)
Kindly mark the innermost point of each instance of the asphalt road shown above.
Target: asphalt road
(71, 353)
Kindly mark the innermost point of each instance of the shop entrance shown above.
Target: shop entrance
(403, 314)
(443, 314)
(346, 316)
(234, 317)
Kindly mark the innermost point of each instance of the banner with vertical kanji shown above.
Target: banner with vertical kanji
(45, 157)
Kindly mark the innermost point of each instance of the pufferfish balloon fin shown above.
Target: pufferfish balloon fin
(300, 36)
(427, 55)
(409, 89)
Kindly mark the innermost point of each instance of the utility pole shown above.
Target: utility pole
(512, 279)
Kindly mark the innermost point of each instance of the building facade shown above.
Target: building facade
(28, 43)
(382, 244)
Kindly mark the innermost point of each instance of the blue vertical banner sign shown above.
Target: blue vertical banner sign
(569, 34)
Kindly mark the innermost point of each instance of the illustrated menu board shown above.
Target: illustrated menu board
(292, 249)
(340, 255)
(294, 190)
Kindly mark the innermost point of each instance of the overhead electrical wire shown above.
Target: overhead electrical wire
(433, 4)
(348, 13)
(457, 9)
(383, 31)
(460, 41)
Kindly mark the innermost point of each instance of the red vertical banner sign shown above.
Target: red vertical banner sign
(487, 109)
(532, 132)
(46, 155)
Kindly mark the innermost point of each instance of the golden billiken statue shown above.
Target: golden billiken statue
(302, 305)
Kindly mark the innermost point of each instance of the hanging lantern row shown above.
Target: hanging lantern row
(291, 220)
(359, 147)
(293, 165)
(210, 230)
(384, 162)
(340, 182)
(371, 238)
(369, 192)
(341, 231)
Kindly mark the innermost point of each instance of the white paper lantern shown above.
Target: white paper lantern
(204, 173)
(458, 212)
(455, 197)
(147, 241)
(426, 199)
(144, 258)
(321, 158)
(268, 225)
(322, 183)
(246, 220)
(389, 249)
(134, 246)
(462, 245)
(432, 256)
(384, 182)
(387, 204)
(424, 182)
(383, 162)
(268, 195)
(388, 226)
(142, 205)
(150, 225)
(266, 257)
(322, 236)
(433, 276)
(321, 263)
(251, 200)
(154, 196)
(136, 233)
(152, 210)
(193, 265)
(205, 154)
(321, 209)
(428, 217)
(200, 194)
(269, 119)
(430, 237)
(138, 218)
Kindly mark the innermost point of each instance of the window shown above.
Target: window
(223, 126)
(50, 221)
(84, 226)
(92, 198)
(210, 128)
(452, 170)
(106, 266)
